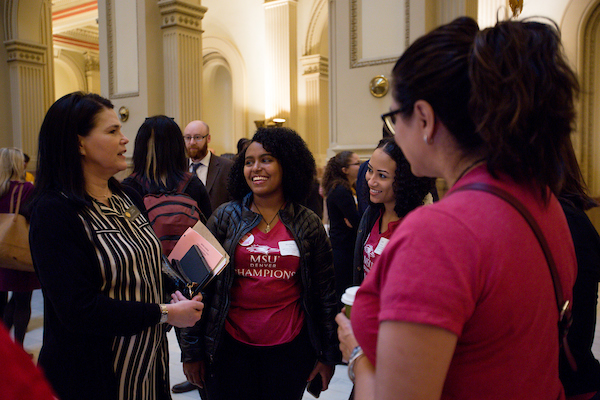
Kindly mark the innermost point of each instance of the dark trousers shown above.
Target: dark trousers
(244, 372)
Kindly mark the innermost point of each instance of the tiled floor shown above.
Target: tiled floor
(339, 388)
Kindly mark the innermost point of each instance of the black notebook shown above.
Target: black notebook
(189, 275)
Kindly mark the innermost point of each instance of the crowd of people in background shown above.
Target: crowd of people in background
(457, 298)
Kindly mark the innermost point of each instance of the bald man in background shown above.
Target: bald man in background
(212, 170)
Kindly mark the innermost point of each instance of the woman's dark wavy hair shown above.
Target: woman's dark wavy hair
(159, 158)
(296, 160)
(523, 93)
(435, 68)
(409, 190)
(334, 174)
(59, 159)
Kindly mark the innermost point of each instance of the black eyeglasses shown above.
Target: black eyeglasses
(390, 119)
(197, 138)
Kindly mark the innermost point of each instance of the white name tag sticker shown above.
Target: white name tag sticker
(289, 248)
(381, 245)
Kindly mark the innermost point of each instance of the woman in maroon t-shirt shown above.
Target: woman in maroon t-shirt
(271, 327)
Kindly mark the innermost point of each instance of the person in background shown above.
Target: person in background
(393, 192)
(212, 170)
(270, 327)
(16, 311)
(584, 383)
(242, 144)
(160, 164)
(338, 180)
(461, 304)
(28, 175)
(99, 262)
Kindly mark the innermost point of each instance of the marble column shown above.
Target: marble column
(30, 91)
(281, 61)
(490, 11)
(92, 71)
(315, 78)
(181, 24)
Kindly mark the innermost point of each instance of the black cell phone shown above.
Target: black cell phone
(315, 386)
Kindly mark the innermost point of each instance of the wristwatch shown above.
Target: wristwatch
(164, 313)
(354, 356)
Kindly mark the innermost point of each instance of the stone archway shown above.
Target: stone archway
(315, 83)
(226, 56)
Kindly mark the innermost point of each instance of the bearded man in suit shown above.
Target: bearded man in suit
(212, 170)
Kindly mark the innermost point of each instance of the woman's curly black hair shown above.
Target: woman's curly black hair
(296, 160)
(408, 189)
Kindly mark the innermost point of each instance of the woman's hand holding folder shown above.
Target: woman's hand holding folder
(184, 313)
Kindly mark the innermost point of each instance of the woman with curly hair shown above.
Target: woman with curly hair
(338, 180)
(270, 327)
(393, 192)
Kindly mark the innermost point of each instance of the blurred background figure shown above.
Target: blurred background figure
(338, 182)
(15, 312)
(212, 170)
(28, 175)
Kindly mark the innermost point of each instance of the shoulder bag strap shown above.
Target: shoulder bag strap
(564, 307)
(15, 208)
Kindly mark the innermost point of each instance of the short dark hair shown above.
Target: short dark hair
(523, 93)
(159, 153)
(409, 190)
(435, 68)
(334, 174)
(290, 150)
(59, 159)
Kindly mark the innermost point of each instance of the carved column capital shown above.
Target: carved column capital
(315, 64)
(181, 14)
(92, 61)
(28, 52)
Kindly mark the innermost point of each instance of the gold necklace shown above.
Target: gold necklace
(264, 219)
(101, 196)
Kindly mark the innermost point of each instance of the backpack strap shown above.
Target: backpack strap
(564, 306)
(184, 183)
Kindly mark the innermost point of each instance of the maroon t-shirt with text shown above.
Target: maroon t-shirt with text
(265, 296)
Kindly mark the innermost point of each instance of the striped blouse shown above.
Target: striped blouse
(129, 254)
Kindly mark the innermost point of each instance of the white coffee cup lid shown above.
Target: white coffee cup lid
(349, 294)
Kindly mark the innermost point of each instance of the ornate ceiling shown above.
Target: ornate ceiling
(75, 24)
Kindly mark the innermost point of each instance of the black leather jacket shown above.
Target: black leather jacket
(229, 223)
